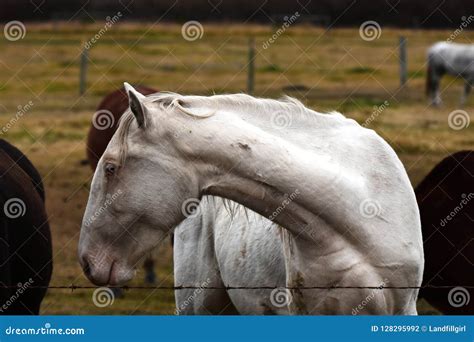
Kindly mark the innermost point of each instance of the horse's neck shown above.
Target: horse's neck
(277, 176)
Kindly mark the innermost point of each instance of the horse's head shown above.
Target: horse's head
(136, 195)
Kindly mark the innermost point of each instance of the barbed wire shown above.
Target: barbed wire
(89, 287)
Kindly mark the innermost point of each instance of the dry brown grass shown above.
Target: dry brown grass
(339, 70)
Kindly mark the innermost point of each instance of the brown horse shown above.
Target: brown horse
(25, 238)
(446, 201)
(104, 125)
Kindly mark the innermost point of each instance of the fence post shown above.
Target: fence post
(251, 67)
(83, 71)
(403, 61)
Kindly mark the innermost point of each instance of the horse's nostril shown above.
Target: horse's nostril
(86, 266)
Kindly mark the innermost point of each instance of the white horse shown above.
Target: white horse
(337, 188)
(224, 244)
(453, 59)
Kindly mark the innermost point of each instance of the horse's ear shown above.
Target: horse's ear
(135, 103)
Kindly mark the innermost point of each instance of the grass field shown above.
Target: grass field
(335, 70)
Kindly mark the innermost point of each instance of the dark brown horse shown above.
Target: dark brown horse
(25, 239)
(104, 125)
(446, 201)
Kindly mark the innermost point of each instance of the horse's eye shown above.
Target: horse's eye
(110, 169)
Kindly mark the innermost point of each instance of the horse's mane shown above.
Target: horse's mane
(190, 104)
(122, 133)
(233, 208)
(202, 107)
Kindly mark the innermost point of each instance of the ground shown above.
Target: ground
(327, 70)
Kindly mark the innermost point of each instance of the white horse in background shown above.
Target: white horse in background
(353, 225)
(224, 244)
(453, 59)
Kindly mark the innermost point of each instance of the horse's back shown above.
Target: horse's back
(26, 256)
(446, 201)
(453, 58)
(24, 163)
(445, 46)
